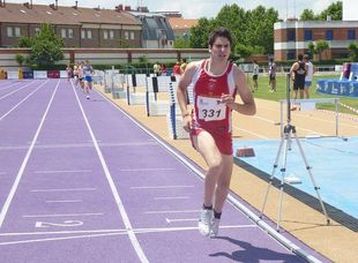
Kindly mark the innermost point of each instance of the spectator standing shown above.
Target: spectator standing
(255, 75)
(272, 75)
(309, 76)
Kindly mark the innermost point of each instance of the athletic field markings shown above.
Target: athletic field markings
(162, 187)
(64, 201)
(63, 190)
(63, 215)
(146, 169)
(105, 233)
(172, 198)
(13, 92)
(20, 173)
(171, 212)
(24, 99)
(115, 193)
(63, 171)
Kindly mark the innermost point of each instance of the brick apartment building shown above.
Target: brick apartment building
(79, 27)
(293, 37)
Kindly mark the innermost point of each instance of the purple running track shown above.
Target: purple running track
(81, 182)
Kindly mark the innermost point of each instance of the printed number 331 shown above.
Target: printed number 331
(210, 113)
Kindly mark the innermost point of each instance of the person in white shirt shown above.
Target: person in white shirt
(87, 73)
(255, 75)
(309, 75)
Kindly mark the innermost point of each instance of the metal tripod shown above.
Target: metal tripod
(289, 131)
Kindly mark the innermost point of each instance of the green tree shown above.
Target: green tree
(182, 42)
(318, 47)
(46, 47)
(334, 10)
(233, 18)
(312, 48)
(260, 28)
(199, 33)
(308, 15)
(20, 59)
(353, 51)
(245, 51)
(252, 30)
(25, 42)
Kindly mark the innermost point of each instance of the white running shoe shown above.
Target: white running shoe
(214, 229)
(205, 219)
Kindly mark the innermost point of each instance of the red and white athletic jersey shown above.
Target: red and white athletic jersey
(209, 113)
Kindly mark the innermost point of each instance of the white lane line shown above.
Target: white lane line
(10, 93)
(119, 233)
(130, 144)
(146, 169)
(181, 220)
(24, 99)
(16, 183)
(63, 232)
(162, 187)
(63, 190)
(171, 212)
(135, 242)
(171, 197)
(64, 201)
(72, 145)
(63, 171)
(252, 133)
(63, 215)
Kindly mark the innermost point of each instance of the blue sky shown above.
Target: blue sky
(200, 8)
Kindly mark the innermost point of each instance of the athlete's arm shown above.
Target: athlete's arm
(248, 106)
(293, 69)
(183, 84)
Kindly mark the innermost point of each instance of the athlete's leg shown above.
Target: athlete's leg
(223, 182)
(301, 92)
(206, 146)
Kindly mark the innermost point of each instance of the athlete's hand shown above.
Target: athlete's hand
(228, 100)
(187, 122)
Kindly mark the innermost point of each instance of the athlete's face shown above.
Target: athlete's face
(220, 48)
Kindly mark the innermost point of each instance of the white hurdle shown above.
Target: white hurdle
(155, 107)
(174, 118)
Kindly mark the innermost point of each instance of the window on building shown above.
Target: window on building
(329, 34)
(291, 55)
(17, 32)
(132, 35)
(105, 34)
(126, 35)
(37, 30)
(308, 35)
(83, 34)
(9, 31)
(351, 34)
(89, 34)
(111, 34)
(70, 33)
(291, 35)
(63, 33)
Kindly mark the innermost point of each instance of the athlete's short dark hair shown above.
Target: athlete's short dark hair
(220, 32)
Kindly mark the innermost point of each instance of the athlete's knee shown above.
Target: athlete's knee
(215, 165)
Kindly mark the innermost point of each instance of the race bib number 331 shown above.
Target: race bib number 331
(211, 109)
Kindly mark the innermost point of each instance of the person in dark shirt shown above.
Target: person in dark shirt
(298, 73)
